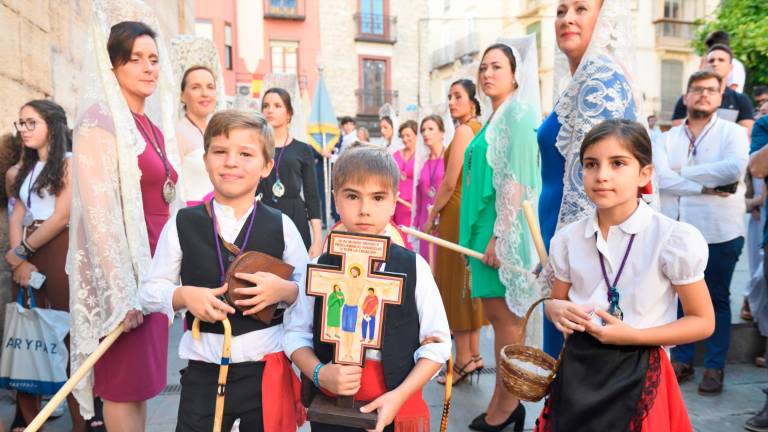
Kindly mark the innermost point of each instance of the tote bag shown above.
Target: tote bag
(34, 357)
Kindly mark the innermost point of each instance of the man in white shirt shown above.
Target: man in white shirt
(700, 165)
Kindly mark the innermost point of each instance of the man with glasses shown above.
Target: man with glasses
(700, 166)
(734, 106)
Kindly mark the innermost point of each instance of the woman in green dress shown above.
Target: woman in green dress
(500, 172)
(333, 319)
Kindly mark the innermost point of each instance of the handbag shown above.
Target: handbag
(34, 357)
(252, 262)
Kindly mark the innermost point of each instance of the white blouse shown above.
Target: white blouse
(197, 184)
(41, 207)
(665, 252)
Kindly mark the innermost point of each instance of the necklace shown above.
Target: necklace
(194, 124)
(613, 292)
(29, 218)
(222, 273)
(432, 189)
(404, 167)
(278, 189)
(169, 188)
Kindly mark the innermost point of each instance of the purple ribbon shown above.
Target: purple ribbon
(218, 241)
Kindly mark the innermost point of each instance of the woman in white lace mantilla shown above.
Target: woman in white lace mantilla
(592, 84)
(198, 72)
(500, 172)
(124, 185)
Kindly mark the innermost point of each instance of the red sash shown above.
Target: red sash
(413, 415)
(282, 410)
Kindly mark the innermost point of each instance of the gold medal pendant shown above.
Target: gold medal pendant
(169, 191)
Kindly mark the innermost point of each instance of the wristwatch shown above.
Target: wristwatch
(22, 251)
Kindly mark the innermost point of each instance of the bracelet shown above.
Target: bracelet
(26, 245)
(316, 374)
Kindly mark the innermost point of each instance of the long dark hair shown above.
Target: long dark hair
(59, 142)
(507, 51)
(10, 155)
(631, 134)
(471, 90)
(284, 96)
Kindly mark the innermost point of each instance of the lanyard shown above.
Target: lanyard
(435, 164)
(32, 181)
(218, 242)
(155, 144)
(279, 158)
(613, 293)
(193, 124)
(693, 142)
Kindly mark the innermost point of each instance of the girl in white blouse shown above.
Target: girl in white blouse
(618, 275)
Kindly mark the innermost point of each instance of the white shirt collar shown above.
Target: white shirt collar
(708, 125)
(229, 213)
(633, 225)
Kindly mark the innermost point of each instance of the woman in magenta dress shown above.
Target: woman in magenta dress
(406, 164)
(432, 172)
(118, 146)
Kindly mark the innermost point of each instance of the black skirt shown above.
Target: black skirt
(602, 387)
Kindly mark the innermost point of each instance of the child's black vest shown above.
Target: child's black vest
(200, 264)
(401, 322)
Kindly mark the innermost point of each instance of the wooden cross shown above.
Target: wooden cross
(354, 294)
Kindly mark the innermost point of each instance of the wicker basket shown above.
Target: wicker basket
(524, 382)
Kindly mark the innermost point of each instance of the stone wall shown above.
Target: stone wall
(340, 53)
(43, 52)
(42, 48)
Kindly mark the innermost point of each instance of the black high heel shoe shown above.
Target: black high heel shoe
(517, 417)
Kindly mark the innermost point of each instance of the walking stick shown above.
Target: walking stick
(223, 369)
(448, 393)
(533, 226)
(453, 246)
(68, 386)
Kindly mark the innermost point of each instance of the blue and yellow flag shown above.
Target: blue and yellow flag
(323, 129)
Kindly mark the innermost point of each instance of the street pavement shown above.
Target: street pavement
(727, 412)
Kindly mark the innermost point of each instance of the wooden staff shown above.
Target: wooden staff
(404, 202)
(448, 395)
(533, 226)
(226, 353)
(453, 246)
(68, 386)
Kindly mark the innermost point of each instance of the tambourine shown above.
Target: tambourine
(252, 262)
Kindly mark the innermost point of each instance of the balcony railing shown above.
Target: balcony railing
(466, 48)
(674, 34)
(442, 56)
(369, 101)
(284, 9)
(376, 28)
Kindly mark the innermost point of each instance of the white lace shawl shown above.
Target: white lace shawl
(513, 156)
(602, 88)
